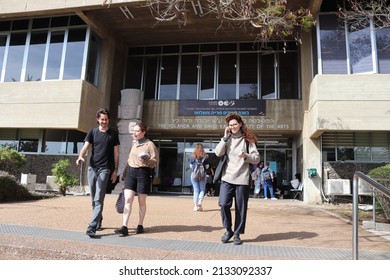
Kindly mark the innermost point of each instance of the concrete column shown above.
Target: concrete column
(129, 113)
(311, 159)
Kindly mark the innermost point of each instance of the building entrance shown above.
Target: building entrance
(173, 173)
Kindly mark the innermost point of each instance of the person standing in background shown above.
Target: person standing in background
(199, 163)
(267, 177)
(104, 161)
(257, 179)
(143, 158)
(239, 144)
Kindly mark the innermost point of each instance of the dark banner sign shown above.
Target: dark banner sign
(221, 107)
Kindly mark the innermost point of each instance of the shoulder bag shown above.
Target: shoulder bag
(220, 167)
(120, 203)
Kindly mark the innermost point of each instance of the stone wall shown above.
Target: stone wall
(41, 165)
(346, 170)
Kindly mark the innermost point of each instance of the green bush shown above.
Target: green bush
(62, 177)
(380, 173)
(10, 190)
(11, 160)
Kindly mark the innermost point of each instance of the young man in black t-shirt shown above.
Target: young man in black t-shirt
(104, 159)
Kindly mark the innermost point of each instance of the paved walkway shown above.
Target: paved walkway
(276, 230)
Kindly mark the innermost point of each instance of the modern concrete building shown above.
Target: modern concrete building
(319, 108)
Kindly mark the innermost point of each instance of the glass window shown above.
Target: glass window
(94, 52)
(55, 54)
(15, 57)
(74, 54)
(228, 47)
(36, 56)
(345, 146)
(3, 41)
(150, 77)
(383, 49)
(59, 21)
(54, 142)
(168, 83)
(328, 146)
(75, 20)
(227, 79)
(5, 25)
(20, 24)
(332, 45)
(133, 76)
(41, 23)
(267, 75)
(288, 75)
(9, 138)
(189, 77)
(190, 48)
(75, 141)
(362, 148)
(360, 50)
(248, 76)
(207, 83)
(29, 140)
(153, 50)
(380, 146)
(171, 49)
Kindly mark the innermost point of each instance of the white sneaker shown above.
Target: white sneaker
(195, 208)
(274, 198)
(265, 197)
(199, 205)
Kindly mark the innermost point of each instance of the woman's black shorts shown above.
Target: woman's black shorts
(138, 179)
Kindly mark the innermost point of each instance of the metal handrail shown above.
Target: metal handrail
(375, 185)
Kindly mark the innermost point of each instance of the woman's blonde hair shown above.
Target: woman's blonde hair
(199, 152)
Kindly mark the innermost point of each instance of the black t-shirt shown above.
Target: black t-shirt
(103, 144)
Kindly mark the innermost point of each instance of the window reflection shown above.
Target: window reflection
(168, 84)
(15, 57)
(36, 55)
(248, 76)
(207, 77)
(383, 47)
(267, 81)
(360, 50)
(189, 77)
(74, 54)
(55, 55)
(333, 45)
(54, 142)
(227, 80)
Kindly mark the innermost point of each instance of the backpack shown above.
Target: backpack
(199, 172)
(267, 175)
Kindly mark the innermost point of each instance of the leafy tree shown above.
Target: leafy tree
(11, 160)
(62, 177)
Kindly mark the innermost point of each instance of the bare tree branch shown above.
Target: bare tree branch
(271, 17)
(358, 13)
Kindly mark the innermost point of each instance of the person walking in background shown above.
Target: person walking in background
(239, 144)
(257, 179)
(104, 161)
(199, 163)
(143, 158)
(267, 177)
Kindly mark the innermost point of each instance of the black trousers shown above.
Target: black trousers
(240, 194)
